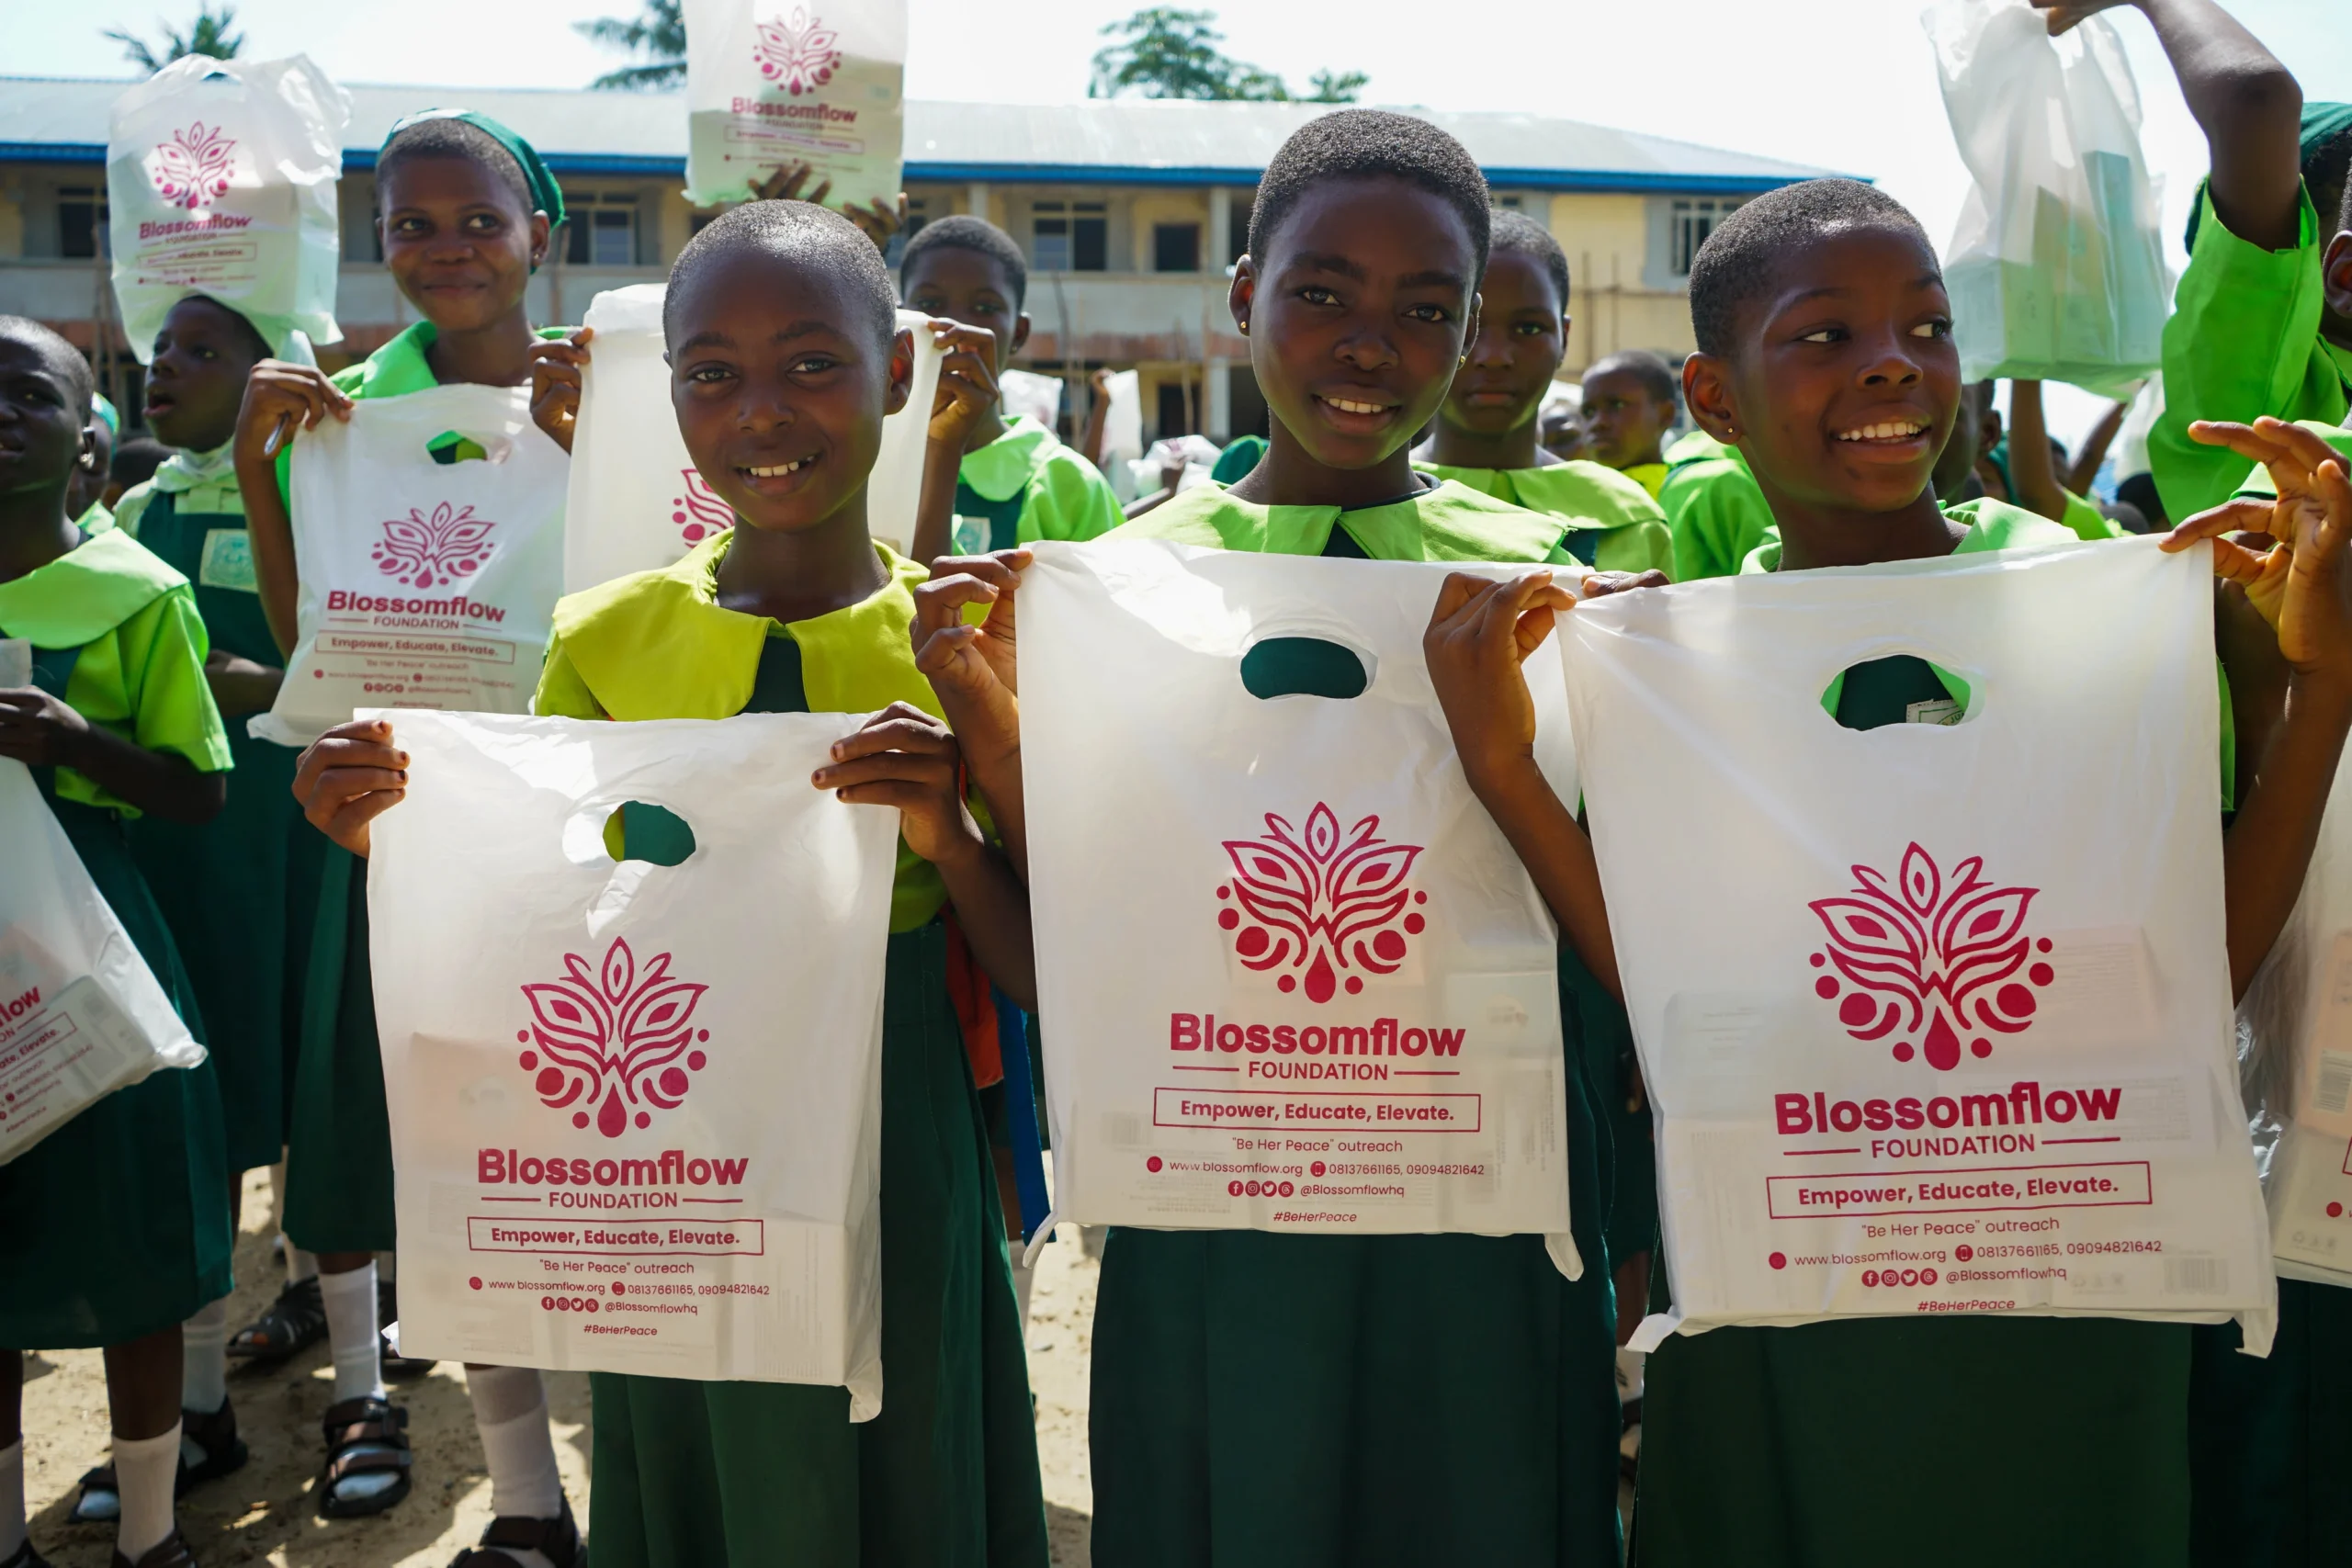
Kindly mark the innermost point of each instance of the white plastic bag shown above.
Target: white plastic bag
(221, 180)
(632, 1131)
(1122, 430)
(81, 1014)
(1293, 977)
(2296, 1021)
(1933, 1017)
(895, 489)
(2056, 269)
(776, 81)
(422, 584)
(1196, 456)
(1027, 392)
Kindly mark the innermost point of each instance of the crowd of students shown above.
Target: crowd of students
(1382, 299)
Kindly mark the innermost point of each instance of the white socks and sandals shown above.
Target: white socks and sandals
(142, 1480)
(203, 1447)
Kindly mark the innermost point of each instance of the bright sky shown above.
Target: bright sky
(1847, 85)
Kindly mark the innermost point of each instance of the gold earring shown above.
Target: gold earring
(1244, 326)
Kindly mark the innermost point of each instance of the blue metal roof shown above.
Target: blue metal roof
(1102, 141)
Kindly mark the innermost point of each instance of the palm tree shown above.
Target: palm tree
(657, 32)
(210, 36)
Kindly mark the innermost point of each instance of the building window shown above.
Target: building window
(916, 218)
(1174, 407)
(1175, 247)
(1071, 236)
(81, 221)
(600, 229)
(1510, 203)
(1693, 220)
(1237, 216)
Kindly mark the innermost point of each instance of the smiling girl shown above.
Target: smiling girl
(466, 210)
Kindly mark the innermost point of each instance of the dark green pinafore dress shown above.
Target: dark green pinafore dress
(1282, 1401)
(691, 1475)
(1943, 1443)
(240, 892)
(117, 1224)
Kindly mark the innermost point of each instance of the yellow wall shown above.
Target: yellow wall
(12, 222)
(1157, 206)
(1607, 240)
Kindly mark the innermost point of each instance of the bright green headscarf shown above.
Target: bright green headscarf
(546, 195)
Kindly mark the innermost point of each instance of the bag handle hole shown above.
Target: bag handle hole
(1304, 667)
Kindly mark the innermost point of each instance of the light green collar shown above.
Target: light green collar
(659, 644)
(1580, 494)
(1992, 525)
(399, 368)
(184, 471)
(1002, 469)
(85, 593)
(1451, 523)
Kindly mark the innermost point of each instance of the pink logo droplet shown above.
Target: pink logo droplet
(435, 551)
(1923, 953)
(192, 169)
(611, 1037)
(798, 53)
(1322, 901)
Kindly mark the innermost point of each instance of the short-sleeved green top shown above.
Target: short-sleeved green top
(1613, 524)
(1714, 508)
(1060, 495)
(660, 645)
(140, 670)
(2243, 340)
(1449, 522)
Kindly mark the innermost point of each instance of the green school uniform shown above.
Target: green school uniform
(1613, 524)
(240, 892)
(1934, 1441)
(2243, 340)
(1649, 476)
(339, 1140)
(1025, 486)
(117, 1224)
(690, 1474)
(1233, 464)
(1713, 504)
(1315, 1401)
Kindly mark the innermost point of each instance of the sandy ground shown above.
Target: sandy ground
(267, 1514)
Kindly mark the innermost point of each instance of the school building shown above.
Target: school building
(1131, 210)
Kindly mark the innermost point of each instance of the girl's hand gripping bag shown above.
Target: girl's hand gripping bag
(1292, 975)
(636, 502)
(776, 81)
(636, 1115)
(428, 532)
(221, 180)
(81, 1014)
(2056, 269)
(1934, 1017)
(2295, 1027)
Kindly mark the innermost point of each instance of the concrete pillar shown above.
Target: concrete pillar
(1216, 407)
(1220, 234)
(976, 201)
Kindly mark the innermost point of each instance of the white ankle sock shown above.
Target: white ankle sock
(12, 1497)
(351, 1333)
(144, 1470)
(511, 1411)
(1022, 1279)
(204, 1359)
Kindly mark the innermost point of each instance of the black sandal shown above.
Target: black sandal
(556, 1539)
(172, 1552)
(397, 1367)
(295, 1321)
(364, 1437)
(225, 1454)
(25, 1556)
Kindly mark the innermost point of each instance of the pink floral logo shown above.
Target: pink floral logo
(191, 170)
(1320, 900)
(799, 54)
(613, 1038)
(699, 513)
(432, 552)
(1923, 952)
